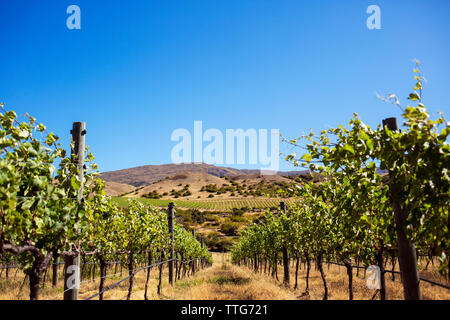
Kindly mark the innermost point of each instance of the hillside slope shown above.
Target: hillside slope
(146, 175)
(195, 180)
(116, 189)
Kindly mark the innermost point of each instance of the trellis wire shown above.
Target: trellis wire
(397, 272)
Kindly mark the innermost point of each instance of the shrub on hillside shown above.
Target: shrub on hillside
(152, 195)
(229, 228)
(238, 219)
(216, 242)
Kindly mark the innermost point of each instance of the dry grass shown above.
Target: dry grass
(196, 181)
(10, 289)
(337, 282)
(220, 281)
(117, 189)
(225, 281)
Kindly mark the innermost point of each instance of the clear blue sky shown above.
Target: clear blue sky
(137, 70)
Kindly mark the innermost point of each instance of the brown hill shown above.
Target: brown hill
(117, 189)
(146, 175)
(255, 178)
(195, 180)
(280, 173)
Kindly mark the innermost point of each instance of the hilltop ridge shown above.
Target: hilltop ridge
(148, 174)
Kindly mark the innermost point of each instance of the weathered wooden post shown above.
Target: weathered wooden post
(55, 271)
(286, 279)
(202, 260)
(193, 261)
(72, 263)
(407, 258)
(171, 234)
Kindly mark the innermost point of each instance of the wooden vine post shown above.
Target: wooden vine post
(55, 268)
(171, 235)
(72, 262)
(407, 258)
(193, 261)
(201, 260)
(286, 279)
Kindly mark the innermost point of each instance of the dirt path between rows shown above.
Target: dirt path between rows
(225, 281)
